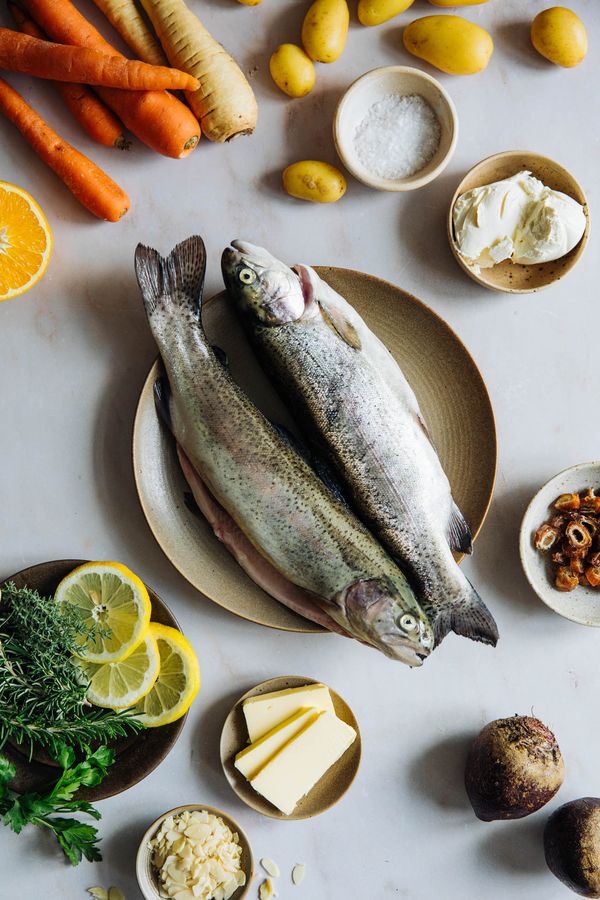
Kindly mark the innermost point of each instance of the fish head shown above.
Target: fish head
(377, 616)
(264, 288)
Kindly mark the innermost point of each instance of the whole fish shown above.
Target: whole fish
(353, 402)
(261, 498)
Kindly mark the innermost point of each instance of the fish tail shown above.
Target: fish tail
(468, 617)
(174, 281)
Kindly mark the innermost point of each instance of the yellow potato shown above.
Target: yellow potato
(325, 29)
(449, 43)
(374, 12)
(250, 2)
(448, 3)
(559, 35)
(314, 180)
(292, 70)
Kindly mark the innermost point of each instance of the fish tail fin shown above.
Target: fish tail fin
(177, 280)
(469, 617)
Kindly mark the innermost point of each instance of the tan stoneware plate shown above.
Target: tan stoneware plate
(583, 604)
(326, 792)
(372, 87)
(137, 755)
(146, 874)
(448, 385)
(509, 277)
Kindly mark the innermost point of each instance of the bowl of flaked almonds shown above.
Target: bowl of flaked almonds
(560, 543)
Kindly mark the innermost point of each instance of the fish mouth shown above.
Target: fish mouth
(402, 650)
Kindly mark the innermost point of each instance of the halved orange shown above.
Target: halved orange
(25, 241)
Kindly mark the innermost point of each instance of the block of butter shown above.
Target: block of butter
(300, 763)
(251, 759)
(268, 710)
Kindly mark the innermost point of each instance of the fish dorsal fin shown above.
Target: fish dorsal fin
(177, 280)
(459, 534)
(340, 324)
(221, 356)
(162, 399)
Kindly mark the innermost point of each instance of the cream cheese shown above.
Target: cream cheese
(518, 218)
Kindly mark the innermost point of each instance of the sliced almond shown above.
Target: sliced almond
(298, 873)
(270, 867)
(98, 892)
(115, 894)
(266, 891)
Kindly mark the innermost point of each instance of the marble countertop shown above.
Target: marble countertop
(73, 356)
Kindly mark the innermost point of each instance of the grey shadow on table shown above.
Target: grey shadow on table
(514, 847)
(119, 848)
(437, 775)
(515, 40)
(205, 756)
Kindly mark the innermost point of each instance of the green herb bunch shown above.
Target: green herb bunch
(42, 687)
(48, 809)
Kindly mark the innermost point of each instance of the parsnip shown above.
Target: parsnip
(126, 18)
(225, 103)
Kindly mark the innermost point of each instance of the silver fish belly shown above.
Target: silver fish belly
(272, 495)
(354, 404)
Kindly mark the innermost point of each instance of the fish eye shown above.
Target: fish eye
(247, 276)
(408, 623)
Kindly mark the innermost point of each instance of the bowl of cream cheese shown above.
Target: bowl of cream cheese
(518, 222)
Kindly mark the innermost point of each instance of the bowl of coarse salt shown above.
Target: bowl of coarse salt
(395, 128)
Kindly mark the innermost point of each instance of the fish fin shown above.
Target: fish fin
(329, 478)
(293, 441)
(338, 323)
(176, 280)
(162, 400)
(221, 356)
(459, 533)
(471, 619)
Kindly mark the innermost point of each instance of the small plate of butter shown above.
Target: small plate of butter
(290, 748)
(518, 222)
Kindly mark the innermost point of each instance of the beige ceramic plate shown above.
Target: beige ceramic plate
(137, 755)
(326, 792)
(146, 875)
(448, 385)
(583, 604)
(508, 277)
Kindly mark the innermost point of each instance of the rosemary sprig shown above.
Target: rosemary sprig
(42, 688)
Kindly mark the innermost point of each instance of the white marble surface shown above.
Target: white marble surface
(73, 356)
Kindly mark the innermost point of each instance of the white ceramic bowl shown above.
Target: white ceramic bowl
(370, 88)
(146, 874)
(583, 604)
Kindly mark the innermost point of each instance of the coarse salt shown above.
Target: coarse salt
(398, 136)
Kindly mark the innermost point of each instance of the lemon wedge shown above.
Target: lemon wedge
(178, 681)
(107, 595)
(120, 685)
(25, 241)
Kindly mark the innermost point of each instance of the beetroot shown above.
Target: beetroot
(572, 845)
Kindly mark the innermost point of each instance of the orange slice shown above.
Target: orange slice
(25, 241)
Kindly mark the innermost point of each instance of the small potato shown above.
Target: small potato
(315, 181)
(374, 12)
(250, 2)
(560, 36)
(325, 29)
(292, 70)
(446, 4)
(450, 43)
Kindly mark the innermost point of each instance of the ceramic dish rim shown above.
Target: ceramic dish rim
(577, 250)
(527, 552)
(411, 182)
(142, 852)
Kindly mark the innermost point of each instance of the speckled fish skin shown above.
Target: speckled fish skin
(272, 494)
(356, 407)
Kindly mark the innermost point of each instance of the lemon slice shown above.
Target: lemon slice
(25, 241)
(109, 596)
(178, 681)
(120, 685)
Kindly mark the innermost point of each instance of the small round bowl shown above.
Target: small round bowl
(508, 277)
(326, 792)
(146, 874)
(370, 88)
(583, 604)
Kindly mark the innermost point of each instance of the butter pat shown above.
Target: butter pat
(518, 218)
(265, 712)
(298, 766)
(251, 759)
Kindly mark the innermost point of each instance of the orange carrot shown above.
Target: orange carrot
(157, 118)
(94, 117)
(63, 62)
(89, 184)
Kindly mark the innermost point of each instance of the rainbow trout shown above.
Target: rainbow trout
(357, 409)
(255, 480)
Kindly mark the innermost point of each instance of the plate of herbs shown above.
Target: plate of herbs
(59, 754)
